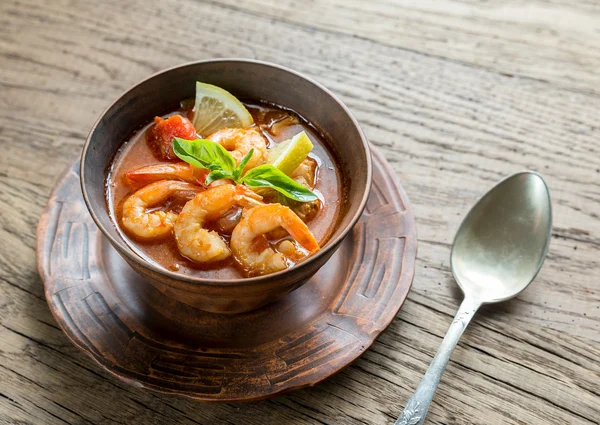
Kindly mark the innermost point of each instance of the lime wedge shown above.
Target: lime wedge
(215, 109)
(288, 155)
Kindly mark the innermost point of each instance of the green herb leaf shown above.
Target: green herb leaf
(269, 176)
(240, 169)
(204, 153)
(217, 175)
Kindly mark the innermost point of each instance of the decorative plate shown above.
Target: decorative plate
(151, 341)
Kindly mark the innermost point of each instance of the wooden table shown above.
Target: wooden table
(456, 93)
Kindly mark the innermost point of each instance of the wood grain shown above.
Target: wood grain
(545, 40)
(512, 89)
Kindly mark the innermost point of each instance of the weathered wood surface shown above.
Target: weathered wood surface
(457, 94)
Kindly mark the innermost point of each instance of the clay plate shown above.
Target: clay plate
(155, 342)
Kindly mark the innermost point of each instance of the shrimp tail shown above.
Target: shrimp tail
(301, 233)
(167, 171)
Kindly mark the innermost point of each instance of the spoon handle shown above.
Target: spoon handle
(416, 408)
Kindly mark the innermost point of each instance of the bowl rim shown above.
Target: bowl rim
(329, 245)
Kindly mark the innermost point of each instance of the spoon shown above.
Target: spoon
(498, 250)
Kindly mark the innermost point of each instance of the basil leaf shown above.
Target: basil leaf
(269, 176)
(204, 153)
(217, 175)
(240, 169)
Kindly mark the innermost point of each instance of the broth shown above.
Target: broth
(277, 125)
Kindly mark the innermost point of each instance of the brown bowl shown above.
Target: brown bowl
(247, 79)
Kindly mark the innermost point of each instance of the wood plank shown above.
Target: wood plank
(450, 130)
(548, 40)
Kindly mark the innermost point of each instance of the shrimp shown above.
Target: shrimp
(239, 142)
(177, 171)
(306, 173)
(193, 239)
(250, 245)
(149, 225)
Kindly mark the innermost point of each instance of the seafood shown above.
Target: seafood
(305, 174)
(193, 239)
(251, 247)
(239, 142)
(167, 208)
(154, 224)
(167, 171)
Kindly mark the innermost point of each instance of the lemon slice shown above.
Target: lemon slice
(216, 109)
(288, 155)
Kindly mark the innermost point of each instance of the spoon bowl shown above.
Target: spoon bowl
(502, 242)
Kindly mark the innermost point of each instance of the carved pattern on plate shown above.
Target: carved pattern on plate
(378, 259)
(311, 350)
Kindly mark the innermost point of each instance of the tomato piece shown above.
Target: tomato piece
(160, 135)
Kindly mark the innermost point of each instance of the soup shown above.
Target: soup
(260, 193)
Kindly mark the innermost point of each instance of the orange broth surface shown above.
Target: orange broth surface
(135, 153)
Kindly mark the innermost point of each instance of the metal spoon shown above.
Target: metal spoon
(498, 250)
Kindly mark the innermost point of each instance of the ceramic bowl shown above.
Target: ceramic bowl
(246, 79)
